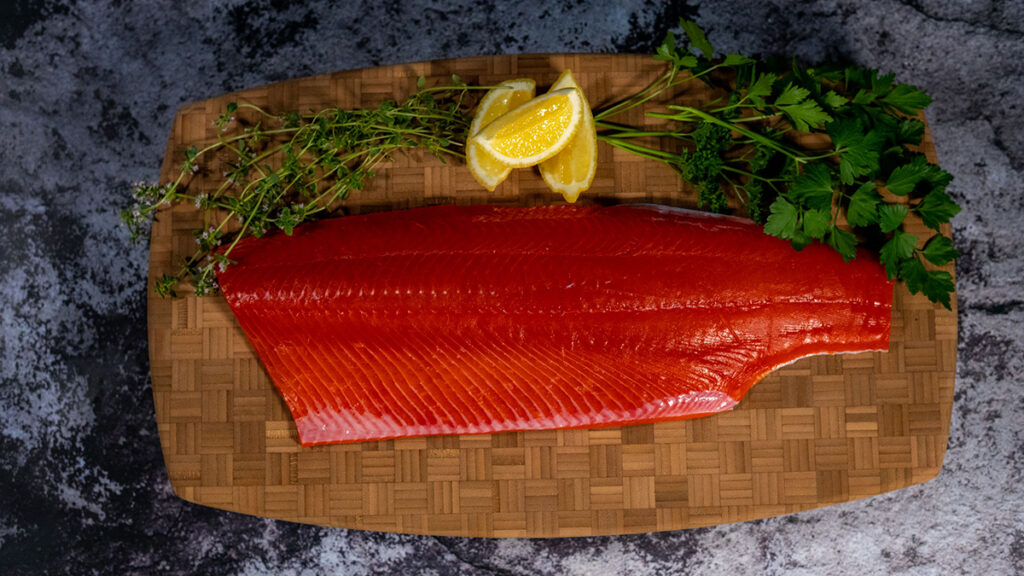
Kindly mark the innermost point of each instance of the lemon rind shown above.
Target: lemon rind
(490, 180)
(571, 191)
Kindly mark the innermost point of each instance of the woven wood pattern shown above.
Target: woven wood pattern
(820, 431)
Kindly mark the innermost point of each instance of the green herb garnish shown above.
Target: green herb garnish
(761, 139)
(285, 170)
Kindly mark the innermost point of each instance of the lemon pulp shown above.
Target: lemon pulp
(535, 131)
(485, 168)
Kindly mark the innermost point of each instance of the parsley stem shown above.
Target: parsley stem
(756, 118)
(759, 138)
(653, 90)
(627, 133)
(643, 151)
(742, 172)
(736, 189)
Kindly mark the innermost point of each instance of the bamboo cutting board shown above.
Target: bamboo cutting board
(821, 431)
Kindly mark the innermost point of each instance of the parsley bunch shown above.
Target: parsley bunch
(281, 170)
(762, 139)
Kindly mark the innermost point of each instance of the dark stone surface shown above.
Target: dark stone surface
(88, 90)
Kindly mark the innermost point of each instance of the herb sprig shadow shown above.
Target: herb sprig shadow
(799, 149)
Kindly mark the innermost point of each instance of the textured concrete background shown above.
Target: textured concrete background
(88, 90)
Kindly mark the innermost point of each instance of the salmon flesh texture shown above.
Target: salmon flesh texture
(479, 319)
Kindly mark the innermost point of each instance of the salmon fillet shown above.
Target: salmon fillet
(479, 319)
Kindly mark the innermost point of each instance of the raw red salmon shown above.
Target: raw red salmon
(464, 320)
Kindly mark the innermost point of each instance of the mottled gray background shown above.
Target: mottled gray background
(88, 90)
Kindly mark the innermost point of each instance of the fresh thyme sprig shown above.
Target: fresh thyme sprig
(762, 139)
(285, 170)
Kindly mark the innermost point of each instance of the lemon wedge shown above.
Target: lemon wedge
(572, 170)
(485, 168)
(535, 131)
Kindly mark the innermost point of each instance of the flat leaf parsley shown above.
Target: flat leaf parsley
(747, 142)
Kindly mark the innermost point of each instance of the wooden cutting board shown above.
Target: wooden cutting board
(821, 431)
